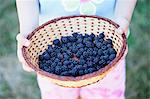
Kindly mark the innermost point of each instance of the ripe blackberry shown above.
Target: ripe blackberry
(75, 34)
(82, 62)
(81, 72)
(79, 40)
(91, 70)
(80, 45)
(100, 52)
(109, 41)
(79, 36)
(59, 56)
(86, 36)
(64, 39)
(89, 44)
(85, 54)
(66, 62)
(112, 56)
(71, 38)
(85, 71)
(56, 42)
(65, 73)
(101, 35)
(41, 57)
(69, 44)
(92, 35)
(102, 62)
(46, 56)
(103, 47)
(112, 51)
(58, 70)
(98, 44)
(96, 59)
(50, 49)
(109, 45)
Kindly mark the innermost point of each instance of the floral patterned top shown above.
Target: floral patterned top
(50, 9)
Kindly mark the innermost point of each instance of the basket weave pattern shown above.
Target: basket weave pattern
(64, 26)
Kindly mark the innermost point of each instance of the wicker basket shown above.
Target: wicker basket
(45, 34)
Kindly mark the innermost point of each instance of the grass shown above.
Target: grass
(138, 58)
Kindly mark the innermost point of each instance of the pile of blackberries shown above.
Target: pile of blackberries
(77, 55)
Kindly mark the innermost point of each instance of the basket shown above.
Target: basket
(64, 26)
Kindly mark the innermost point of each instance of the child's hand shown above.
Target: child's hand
(123, 23)
(22, 41)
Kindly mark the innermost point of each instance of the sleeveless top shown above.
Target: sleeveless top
(50, 9)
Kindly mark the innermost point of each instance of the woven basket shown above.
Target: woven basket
(45, 34)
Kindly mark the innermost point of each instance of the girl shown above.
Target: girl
(33, 13)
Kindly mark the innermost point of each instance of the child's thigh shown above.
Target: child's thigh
(50, 90)
(111, 87)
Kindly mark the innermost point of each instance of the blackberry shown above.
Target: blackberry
(75, 34)
(56, 60)
(98, 44)
(101, 35)
(41, 57)
(94, 53)
(80, 45)
(89, 44)
(85, 54)
(96, 59)
(106, 57)
(112, 51)
(59, 56)
(91, 70)
(79, 36)
(109, 45)
(85, 71)
(69, 44)
(79, 40)
(69, 53)
(71, 38)
(58, 70)
(86, 35)
(100, 52)
(92, 35)
(112, 56)
(46, 56)
(53, 54)
(109, 41)
(82, 62)
(65, 73)
(102, 62)
(56, 42)
(78, 54)
(66, 63)
(66, 57)
(81, 72)
(49, 62)
(50, 49)
(64, 39)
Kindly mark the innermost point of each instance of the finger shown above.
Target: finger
(27, 68)
(119, 30)
(22, 40)
(19, 54)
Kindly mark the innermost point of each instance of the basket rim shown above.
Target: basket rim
(78, 78)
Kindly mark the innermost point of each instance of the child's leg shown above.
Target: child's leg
(111, 87)
(52, 91)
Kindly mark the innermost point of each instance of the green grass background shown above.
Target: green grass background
(17, 84)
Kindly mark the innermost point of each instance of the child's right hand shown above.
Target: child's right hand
(22, 41)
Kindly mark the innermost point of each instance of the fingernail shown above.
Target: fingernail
(119, 30)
